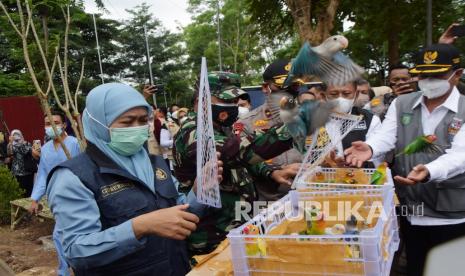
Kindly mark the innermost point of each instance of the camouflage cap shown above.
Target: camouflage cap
(225, 85)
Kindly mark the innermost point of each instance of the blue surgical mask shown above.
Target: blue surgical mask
(51, 134)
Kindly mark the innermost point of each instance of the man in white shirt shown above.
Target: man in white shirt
(429, 184)
(344, 98)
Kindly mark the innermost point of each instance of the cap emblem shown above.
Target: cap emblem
(430, 57)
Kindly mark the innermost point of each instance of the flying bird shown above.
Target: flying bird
(303, 120)
(326, 61)
(423, 143)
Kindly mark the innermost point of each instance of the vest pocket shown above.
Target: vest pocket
(122, 206)
(451, 194)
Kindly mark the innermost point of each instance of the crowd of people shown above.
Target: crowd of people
(127, 204)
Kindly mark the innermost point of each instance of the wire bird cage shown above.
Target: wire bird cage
(208, 190)
(323, 142)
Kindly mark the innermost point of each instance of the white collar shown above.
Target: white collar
(451, 103)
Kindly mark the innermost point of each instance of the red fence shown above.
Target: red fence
(25, 114)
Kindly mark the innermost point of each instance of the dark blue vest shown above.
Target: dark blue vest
(359, 133)
(121, 197)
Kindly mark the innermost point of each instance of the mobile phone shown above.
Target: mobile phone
(458, 30)
(36, 144)
(160, 87)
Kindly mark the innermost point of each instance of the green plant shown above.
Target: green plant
(9, 190)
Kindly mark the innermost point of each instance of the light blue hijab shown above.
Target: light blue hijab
(105, 103)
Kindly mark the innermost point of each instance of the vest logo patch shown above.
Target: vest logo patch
(406, 119)
(454, 127)
(114, 188)
(362, 125)
(161, 174)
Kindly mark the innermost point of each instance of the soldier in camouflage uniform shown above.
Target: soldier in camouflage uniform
(238, 155)
(261, 120)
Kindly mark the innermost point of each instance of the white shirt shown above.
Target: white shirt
(448, 165)
(373, 128)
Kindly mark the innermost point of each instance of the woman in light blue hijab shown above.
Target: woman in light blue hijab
(115, 206)
(103, 106)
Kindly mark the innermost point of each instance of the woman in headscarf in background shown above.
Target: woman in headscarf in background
(23, 166)
(116, 206)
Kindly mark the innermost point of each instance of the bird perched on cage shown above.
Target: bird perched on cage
(303, 120)
(254, 246)
(423, 143)
(351, 226)
(336, 229)
(316, 224)
(326, 61)
(379, 176)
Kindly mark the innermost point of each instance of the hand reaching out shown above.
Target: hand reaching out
(418, 174)
(447, 37)
(358, 153)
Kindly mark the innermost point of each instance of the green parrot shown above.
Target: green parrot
(316, 224)
(423, 143)
(379, 176)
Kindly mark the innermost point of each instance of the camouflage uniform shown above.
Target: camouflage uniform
(259, 121)
(262, 121)
(238, 156)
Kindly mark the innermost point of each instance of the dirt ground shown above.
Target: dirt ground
(23, 252)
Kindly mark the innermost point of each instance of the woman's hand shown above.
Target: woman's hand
(173, 223)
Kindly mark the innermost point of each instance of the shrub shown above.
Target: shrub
(9, 190)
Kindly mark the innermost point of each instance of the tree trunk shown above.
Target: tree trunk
(393, 39)
(46, 35)
(301, 11)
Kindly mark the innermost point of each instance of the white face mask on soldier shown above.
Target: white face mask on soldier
(343, 105)
(434, 88)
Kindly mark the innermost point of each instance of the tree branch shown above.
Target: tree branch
(13, 24)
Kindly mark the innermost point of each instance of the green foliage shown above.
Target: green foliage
(241, 46)
(9, 190)
(384, 31)
(15, 85)
(166, 51)
(399, 25)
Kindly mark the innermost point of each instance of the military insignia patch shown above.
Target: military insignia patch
(406, 119)
(375, 102)
(430, 57)
(261, 123)
(161, 174)
(223, 116)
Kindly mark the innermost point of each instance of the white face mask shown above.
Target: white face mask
(243, 111)
(182, 120)
(434, 88)
(343, 105)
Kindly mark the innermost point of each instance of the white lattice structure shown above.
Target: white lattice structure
(338, 126)
(208, 189)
